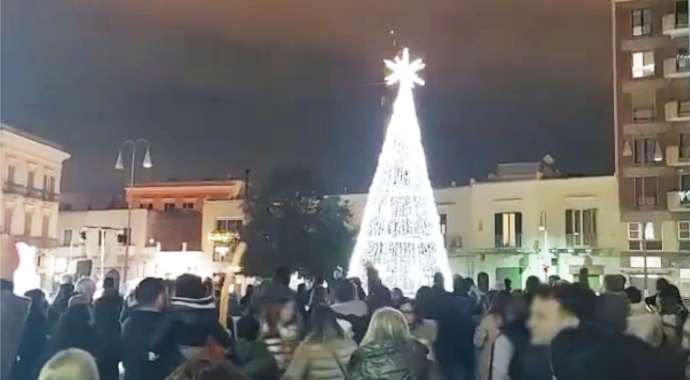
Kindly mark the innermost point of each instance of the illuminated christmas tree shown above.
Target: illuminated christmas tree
(400, 233)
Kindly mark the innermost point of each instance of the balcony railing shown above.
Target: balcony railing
(677, 110)
(13, 188)
(675, 25)
(643, 114)
(50, 196)
(34, 193)
(678, 67)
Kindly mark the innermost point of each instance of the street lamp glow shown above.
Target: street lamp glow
(147, 164)
(119, 164)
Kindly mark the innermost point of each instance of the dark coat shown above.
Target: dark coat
(137, 333)
(33, 341)
(391, 360)
(255, 361)
(190, 322)
(107, 311)
(13, 311)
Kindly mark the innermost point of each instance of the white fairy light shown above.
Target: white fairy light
(400, 233)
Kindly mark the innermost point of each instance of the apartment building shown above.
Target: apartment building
(651, 69)
(188, 195)
(523, 222)
(30, 169)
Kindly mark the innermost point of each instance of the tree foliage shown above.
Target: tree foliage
(293, 223)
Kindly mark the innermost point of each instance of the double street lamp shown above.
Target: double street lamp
(120, 165)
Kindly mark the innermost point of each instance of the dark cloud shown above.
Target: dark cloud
(221, 85)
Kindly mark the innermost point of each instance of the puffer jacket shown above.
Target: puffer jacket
(391, 360)
(190, 322)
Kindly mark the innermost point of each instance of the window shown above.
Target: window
(645, 151)
(643, 113)
(638, 262)
(684, 108)
(188, 205)
(49, 184)
(685, 182)
(684, 235)
(28, 220)
(652, 236)
(684, 145)
(581, 227)
(8, 220)
(508, 229)
(45, 226)
(642, 22)
(169, 206)
(228, 224)
(146, 205)
(67, 237)
(646, 191)
(11, 169)
(681, 13)
(683, 60)
(30, 180)
(643, 64)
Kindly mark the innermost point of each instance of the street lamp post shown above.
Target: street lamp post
(119, 165)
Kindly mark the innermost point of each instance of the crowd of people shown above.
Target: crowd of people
(344, 329)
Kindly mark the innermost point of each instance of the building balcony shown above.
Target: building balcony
(677, 67)
(34, 193)
(677, 156)
(678, 200)
(13, 188)
(50, 196)
(678, 110)
(675, 25)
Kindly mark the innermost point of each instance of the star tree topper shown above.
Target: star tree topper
(403, 71)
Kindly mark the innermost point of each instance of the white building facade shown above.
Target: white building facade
(30, 169)
(519, 228)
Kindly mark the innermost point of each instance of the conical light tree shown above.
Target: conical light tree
(400, 234)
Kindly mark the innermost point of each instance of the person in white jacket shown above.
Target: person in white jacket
(643, 323)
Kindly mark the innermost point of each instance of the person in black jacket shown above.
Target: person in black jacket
(34, 336)
(191, 321)
(138, 330)
(107, 311)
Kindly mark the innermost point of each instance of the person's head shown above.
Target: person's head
(515, 312)
(669, 299)
(554, 279)
(282, 275)
(151, 293)
(70, 364)
(396, 295)
(386, 324)
(38, 299)
(189, 286)
(108, 283)
(86, 287)
(249, 290)
(424, 294)
(248, 328)
(661, 283)
(204, 369)
(634, 295)
(499, 302)
(483, 281)
(318, 280)
(532, 284)
(344, 291)
(611, 312)
(438, 279)
(576, 355)
(409, 309)
(9, 257)
(508, 283)
(613, 283)
(302, 288)
(324, 325)
(556, 308)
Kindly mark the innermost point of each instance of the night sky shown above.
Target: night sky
(223, 85)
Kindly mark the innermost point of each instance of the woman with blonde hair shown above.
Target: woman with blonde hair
(70, 364)
(388, 351)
